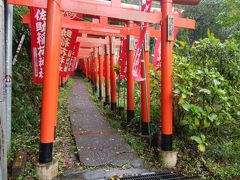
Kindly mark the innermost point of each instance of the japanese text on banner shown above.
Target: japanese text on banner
(146, 7)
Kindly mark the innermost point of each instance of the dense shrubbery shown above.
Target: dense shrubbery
(206, 86)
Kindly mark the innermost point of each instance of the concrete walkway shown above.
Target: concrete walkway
(98, 144)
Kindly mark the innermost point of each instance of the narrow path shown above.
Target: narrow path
(98, 144)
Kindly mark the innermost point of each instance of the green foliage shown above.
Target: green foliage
(201, 141)
(206, 103)
(205, 15)
(225, 57)
(200, 96)
(26, 105)
(221, 17)
(206, 84)
(229, 17)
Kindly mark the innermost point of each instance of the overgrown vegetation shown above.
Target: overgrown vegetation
(26, 121)
(25, 114)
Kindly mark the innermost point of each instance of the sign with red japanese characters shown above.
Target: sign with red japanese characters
(146, 7)
(38, 31)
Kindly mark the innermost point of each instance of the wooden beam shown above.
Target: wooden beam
(184, 23)
(89, 50)
(96, 9)
(95, 45)
(89, 45)
(98, 41)
(100, 29)
(113, 30)
(92, 40)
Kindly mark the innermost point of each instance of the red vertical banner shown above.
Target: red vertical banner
(146, 7)
(157, 54)
(67, 49)
(38, 31)
(123, 59)
(74, 60)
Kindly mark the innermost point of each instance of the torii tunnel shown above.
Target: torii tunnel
(97, 43)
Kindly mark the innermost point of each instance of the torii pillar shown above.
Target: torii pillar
(95, 70)
(130, 81)
(145, 88)
(107, 74)
(113, 75)
(50, 91)
(167, 39)
(166, 74)
(100, 64)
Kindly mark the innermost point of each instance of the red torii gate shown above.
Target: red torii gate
(114, 11)
(103, 28)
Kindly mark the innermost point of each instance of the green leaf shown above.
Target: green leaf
(183, 122)
(186, 106)
(203, 137)
(216, 82)
(201, 147)
(197, 122)
(212, 117)
(206, 123)
(206, 91)
(181, 101)
(197, 139)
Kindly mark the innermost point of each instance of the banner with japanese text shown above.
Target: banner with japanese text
(38, 31)
(68, 42)
(38, 36)
(146, 7)
(74, 60)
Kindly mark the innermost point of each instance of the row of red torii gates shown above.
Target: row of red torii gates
(97, 37)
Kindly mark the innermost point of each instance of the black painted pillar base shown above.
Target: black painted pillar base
(113, 106)
(146, 128)
(166, 143)
(55, 132)
(94, 88)
(106, 101)
(100, 95)
(130, 115)
(45, 153)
